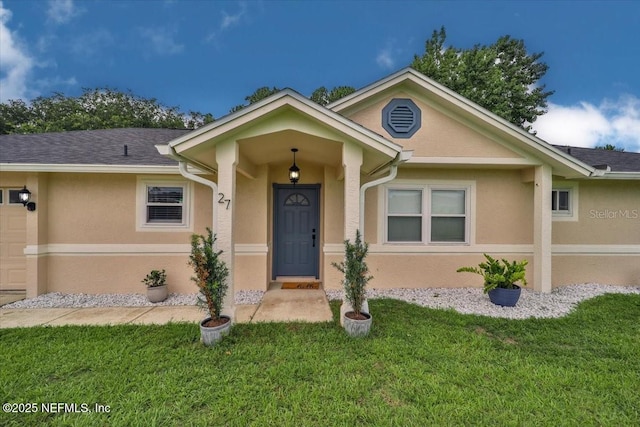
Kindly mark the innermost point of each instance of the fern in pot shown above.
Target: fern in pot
(356, 276)
(500, 278)
(211, 274)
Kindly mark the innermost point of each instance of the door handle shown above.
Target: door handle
(313, 238)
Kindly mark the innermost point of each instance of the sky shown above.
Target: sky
(207, 56)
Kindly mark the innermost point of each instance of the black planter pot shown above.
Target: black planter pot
(505, 297)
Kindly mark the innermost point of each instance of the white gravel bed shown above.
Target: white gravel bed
(59, 300)
(464, 300)
(473, 301)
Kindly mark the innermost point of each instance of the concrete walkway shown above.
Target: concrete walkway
(276, 306)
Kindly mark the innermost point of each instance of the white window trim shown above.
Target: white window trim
(427, 186)
(141, 203)
(572, 214)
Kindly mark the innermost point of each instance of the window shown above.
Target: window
(404, 220)
(564, 202)
(428, 214)
(560, 201)
(163, 204)
(448, 216)
(14, 197)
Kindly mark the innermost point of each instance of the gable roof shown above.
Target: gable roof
(469, 112)
(616, 161)
(89, 148)
(308, 116)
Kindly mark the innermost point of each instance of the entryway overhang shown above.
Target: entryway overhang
(267, 130)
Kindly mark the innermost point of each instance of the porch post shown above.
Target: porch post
(351, 161)
(542, 229)
(227, 159)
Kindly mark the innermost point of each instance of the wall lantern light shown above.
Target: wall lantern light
(294, 170)
(24, 196)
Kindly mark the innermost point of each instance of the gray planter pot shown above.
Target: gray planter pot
(157, 293)
(211, 335)
(505, 297)
(357, 328)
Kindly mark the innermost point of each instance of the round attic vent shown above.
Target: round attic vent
(401, 118)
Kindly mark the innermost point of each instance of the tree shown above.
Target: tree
(609, 147)
(324, 97)
(502, 77)
(259, 94)
(321, 95)
(94, 109)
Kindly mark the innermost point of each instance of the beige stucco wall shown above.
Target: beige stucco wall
(439, 136)
(611, 269)
(608, 213)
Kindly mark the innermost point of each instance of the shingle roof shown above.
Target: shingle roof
(89, 147)
(618, 161)
(106, 147)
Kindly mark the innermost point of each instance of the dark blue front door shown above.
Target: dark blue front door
(296, 232)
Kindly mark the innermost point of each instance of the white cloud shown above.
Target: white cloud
(232, 20)
(162, 40)
(62, 11)
(385, 58)
(15, 62)
(615, 122)
(228, 21)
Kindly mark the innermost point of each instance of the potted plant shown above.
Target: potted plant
(156, 283)
(356, 275)
(500, 277)
(211, 275)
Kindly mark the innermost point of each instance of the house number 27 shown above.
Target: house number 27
(223, 200)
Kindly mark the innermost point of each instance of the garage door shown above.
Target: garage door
(13, 238)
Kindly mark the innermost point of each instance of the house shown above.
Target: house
(432, 180)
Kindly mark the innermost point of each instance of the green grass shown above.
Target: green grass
(418, 367)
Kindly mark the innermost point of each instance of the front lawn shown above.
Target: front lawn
(419, 367)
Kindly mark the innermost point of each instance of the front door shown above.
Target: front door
(296, 230)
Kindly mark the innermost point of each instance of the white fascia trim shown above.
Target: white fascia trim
(286, 97)
(409, 74)
(474, 161)
(80, 249)
(618, 175)
(38, 167)
(595, 250)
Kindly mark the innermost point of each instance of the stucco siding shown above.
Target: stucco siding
(612, 269)
(439, 134)
(608, 214)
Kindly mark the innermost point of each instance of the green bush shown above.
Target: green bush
(499, 273)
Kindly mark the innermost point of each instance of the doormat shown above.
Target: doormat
(301, 285)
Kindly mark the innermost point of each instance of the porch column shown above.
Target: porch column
(227, 159)
(542, 229)
(351, 161)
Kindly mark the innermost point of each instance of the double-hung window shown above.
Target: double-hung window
(163, 204)
(448, 215)
(404, 220)
(432, 214)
